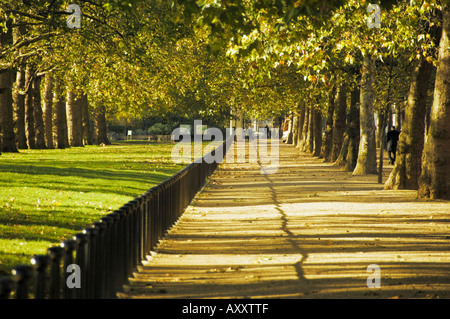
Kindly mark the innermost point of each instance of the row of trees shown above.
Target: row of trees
(348, 73)
(130, 60)
(206, 59)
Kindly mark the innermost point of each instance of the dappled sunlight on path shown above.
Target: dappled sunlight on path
(308, 231)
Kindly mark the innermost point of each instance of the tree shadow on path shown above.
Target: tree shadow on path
(308, 231)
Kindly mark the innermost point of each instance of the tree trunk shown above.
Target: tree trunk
(301, 120)
(406, 172)
(38, 119)
(317, 131)
(295, 129)
(382, 136)
(6, 108)
(48, 110)
(87, 137)
(339, 121)
(304, 146)
(328, 136)
(19, 109)
(349, 151)
(367, 157)
(434, 181)
(59, 116)
(8, 138)
(310, 133)
(100, 128)
(29, 109)
(74, 119)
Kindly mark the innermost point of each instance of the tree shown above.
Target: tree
(367, 162)
(408, 164)
(8, 142)
(60, 118)
(434, 181)
(328, 136)
(38, 116)
(74, 118)
(48, 109)
(350, 146)
(19, 109)
(339, 121)
(29, 107)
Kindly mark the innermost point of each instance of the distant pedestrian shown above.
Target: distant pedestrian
(392, 139)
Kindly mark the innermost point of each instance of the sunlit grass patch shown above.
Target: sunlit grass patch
(47, 196)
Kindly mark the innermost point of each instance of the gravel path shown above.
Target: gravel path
(308, 231)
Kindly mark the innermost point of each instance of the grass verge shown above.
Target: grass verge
(48, 195)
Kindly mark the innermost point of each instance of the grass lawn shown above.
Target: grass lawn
(47, 196)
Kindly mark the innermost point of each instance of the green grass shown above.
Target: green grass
(47, 196)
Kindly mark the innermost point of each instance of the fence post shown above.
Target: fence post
(81, 260)
(6, 287)
(127, 239)
(22, 275)
(40, 264)
(55, 254)
(99, 279)
(91, 233)
(151, 217)
(69, 247)
(122, 248)
(108, 222)
(115, 272)
(140, 225)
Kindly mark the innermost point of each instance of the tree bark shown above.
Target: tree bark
(59, 116)
(317, 131)
(8, 138)
(74, 119)
(310, 133)
(434, 181)
(304, 145)
(295, 129)
(8, 143)
(19, 109)
(87, 136)
(48, 110)
(339, 121)
(38, 118)
(100, 128)
(367, 160)
(328, 136)
(29, 108)
(349, 151)
(301, 120)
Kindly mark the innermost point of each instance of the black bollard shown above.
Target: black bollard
(69, 247)
(99, 274)
(114, 248)
(40, 264)
(91, 233)
(22, 275)
(55, 254)
(108, 242)
(81, 257)
(6, 287)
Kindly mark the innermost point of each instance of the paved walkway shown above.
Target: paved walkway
(308, 231)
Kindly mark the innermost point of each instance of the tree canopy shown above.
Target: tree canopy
(137, 59)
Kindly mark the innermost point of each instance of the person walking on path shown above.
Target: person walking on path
(392, 139)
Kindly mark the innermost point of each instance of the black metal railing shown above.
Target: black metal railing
(98, 261)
